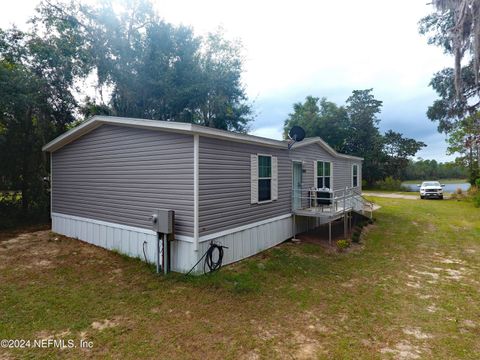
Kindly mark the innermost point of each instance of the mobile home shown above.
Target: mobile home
(246, 192)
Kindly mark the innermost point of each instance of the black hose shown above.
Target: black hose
(145, 255)
(212, 265)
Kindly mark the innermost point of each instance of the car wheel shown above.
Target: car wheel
(441, 197)
(422, 197)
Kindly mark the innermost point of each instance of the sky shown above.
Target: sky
(322, 48)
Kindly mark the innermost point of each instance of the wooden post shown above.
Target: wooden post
(330, 233)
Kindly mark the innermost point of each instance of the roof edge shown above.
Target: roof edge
(328, 148)
(178, 127)
(159, 125)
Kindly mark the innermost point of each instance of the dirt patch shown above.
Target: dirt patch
(469, 324)
(454, 274)
(305, 347)
(319, 236)
(433, 275)
(105, 324)
(414, 285)
(403, 350)
(416, 333)
(47, 335)
(5, 356)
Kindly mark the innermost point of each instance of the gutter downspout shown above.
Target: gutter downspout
(196, 140)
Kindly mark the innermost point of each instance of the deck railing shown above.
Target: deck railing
(327, 201)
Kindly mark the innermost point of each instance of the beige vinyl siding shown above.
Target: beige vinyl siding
(225, 192)
(120, 174)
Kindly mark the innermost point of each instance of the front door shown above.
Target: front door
(297, 185)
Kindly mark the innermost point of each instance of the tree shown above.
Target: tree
(320, 117)
(433, 170)
(364, 138)
(36, 104)
(455, 27)
(398, 150)
(353, 129)
(460, 22)
(465, 140)
(144, 66)
(155, 70)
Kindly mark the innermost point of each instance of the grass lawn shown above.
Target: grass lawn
(443, 181)
(412, 290)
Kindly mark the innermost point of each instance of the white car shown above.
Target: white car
(431, 189)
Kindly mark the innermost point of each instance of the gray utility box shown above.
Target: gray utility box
(163, 221)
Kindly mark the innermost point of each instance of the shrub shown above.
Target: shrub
(343, 244)
(356, 236)
(390, 184)
(474, 193)
(476, 200)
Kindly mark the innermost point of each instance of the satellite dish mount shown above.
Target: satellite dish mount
(295, 134)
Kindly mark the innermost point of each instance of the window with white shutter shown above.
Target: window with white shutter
(264, 178)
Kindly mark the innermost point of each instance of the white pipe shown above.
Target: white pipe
(157, 249)
(165, 254)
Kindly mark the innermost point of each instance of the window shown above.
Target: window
(324, 176)
(355, 175)
(264, 178)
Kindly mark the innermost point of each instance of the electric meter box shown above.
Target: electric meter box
(163, 221)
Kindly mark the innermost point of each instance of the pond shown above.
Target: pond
(451, 188)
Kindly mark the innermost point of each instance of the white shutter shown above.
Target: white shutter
(274, 187)
(315, 163)
(253, 178)
(331, 175)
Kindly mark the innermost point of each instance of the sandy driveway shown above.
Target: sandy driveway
(391, 195)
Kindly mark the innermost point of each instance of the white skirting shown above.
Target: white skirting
(241, 242)
(127, 240)
(252, 240)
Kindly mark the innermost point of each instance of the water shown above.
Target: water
(450, 188)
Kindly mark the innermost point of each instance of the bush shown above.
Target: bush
(12, 215)
(476, 200)
(390, 184)
(343, 244)
(356, 236)
(474, 193)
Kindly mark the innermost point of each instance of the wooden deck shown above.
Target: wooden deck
(327, 212)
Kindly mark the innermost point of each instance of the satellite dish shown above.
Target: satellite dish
(296, 134)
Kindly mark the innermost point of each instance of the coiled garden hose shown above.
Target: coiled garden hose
(209, 262)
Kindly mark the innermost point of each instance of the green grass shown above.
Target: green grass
(443, 181)
(295, 300)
